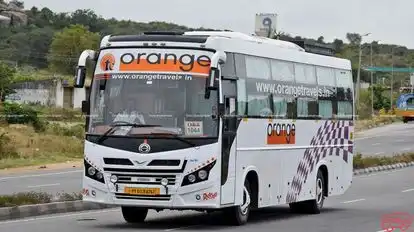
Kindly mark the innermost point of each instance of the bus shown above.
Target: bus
(214, 121)
(405, 107)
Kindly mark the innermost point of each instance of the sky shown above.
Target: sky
(390, 22)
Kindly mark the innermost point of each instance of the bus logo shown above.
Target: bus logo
(281, 133)
(107, 62)
(144, 148)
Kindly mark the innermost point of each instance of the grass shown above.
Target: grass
(376, 122)
(374, 161)
(21, 145)
(31, 198)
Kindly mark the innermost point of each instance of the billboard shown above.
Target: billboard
(265, 24)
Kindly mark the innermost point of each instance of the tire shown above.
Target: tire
(312, 206)
(236, 215)
(405, 120)
(134, 214)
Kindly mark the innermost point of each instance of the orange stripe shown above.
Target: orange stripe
(164, 66)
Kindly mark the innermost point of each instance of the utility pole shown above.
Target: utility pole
(358, 85)
(372, 87)
(392, 77)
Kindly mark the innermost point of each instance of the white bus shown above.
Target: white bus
(215, 121)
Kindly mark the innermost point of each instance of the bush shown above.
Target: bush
(21, 114)
(373, 161)
(77, 131)
(7, 151)
(30, 198)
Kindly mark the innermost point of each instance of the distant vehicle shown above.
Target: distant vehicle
(405, 107)
(215, 121)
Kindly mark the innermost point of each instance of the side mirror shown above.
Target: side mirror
(80, 77)
(212, 79)
(85, 107)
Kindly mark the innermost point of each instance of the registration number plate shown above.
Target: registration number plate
(142, 191)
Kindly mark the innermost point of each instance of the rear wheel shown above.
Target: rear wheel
(239, 215)
(405, 120)
(312, 206)
(134, 214)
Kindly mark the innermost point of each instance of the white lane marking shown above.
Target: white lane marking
(37, 175)
(379, 153)
(59, 216)
(400, 140)
(43, 185)
(179, 228)
(357, 200)
(406, 149)
(408, 190)
(375, 144)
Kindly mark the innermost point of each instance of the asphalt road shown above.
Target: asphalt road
(395, 138)
(359, 210)
(386, 140)
(66, 180)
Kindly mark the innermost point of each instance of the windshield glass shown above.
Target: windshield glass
(160, 87)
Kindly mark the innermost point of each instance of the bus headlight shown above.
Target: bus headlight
(92, 173)
(202, 174)
(199, 175)
(114, 179)
(191, 178)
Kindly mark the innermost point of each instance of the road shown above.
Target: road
(65, 180)
(386, 140)
(359, 210)
(378, 141)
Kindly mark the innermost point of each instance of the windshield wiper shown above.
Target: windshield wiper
(175, 136)
(116, 125)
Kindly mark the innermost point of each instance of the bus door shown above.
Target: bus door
(229, 132)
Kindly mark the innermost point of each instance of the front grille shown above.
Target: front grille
(149, 179)
(117, 161)
(164, 163)
(124, 196)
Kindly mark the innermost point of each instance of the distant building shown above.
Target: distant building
(52, 92)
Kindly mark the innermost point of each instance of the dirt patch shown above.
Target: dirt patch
(47, 167)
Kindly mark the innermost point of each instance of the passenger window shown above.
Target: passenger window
(305, 74)
(259, 105)
(345, 109)
(326, 76)
(257, 67)
(325, 109)
(241, 97)
(280, 107)
(282, 71)
(307, 108)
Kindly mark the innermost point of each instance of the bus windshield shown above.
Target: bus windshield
(163, 90)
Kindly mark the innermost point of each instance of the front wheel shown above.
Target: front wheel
(239, 215)
(134, 214)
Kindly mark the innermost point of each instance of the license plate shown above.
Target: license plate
(142, 191)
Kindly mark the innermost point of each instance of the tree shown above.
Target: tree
(320, 39)
(354, 38)
(68, 44)
(338, 45)
(6, 78)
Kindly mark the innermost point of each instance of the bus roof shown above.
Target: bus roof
(235, 42)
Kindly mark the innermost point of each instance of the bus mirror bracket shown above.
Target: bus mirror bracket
(80, 75)
(214, 75)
